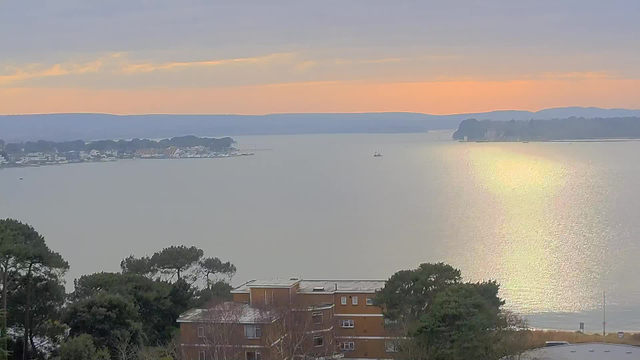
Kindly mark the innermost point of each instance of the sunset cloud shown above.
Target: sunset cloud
(394, 60)
(122, 70)
(151, 67)
(274, 68)
(36, 71)
(122, 64)
(578, 75)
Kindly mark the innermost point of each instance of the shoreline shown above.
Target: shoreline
(552, 141)
(538, 338)
(24, 166)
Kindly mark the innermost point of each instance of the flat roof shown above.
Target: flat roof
(276, 283)
(316, 285)
(367, 286)
(228, 313)
(588, 351)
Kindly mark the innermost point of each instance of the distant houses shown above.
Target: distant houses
(50, 153)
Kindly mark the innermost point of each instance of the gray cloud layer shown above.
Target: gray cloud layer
(33, 30)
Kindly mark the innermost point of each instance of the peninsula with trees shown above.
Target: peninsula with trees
(36, 153)
(572, 128)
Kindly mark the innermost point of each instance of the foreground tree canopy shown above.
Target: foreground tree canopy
(28, 266)
(108, 315)
(442, 318)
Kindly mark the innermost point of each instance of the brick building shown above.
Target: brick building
(291, 318)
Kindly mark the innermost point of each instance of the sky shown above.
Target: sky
(279, 56)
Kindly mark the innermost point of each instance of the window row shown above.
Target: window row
(347, 346)
(318, 317)
(249, 355)
(347, 323)
(389, 346)
(354, 300)
(318, 341)
(250, 332)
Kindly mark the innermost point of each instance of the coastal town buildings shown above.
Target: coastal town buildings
(285, 318)
(67, 157)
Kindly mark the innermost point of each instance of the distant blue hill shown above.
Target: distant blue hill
(63, 127)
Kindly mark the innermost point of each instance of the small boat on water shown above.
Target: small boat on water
(377, 154)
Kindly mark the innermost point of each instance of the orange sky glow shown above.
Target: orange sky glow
(444, 97)
(259, 57)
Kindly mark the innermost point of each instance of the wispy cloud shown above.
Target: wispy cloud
(35, 71)
(122, 70)
(577, 75)
(147, 67)
(119, 63)
(393, 60)
(306, 65)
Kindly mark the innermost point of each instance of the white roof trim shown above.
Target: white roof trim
(302, 292)
(362, 286)
(319, 308)
(351, 315)
(236, 346)
(338, 280)
(368, 359)
(206, 322)
(369, 337)
(270, 286)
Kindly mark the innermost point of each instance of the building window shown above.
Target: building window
(202, 355)
(254, 355)
(343, 300)
(201, 331)
(391, 346)
(369, 301)
(354, 300)
(318, 341)
(347, 346)
(252, 332)
(318, 318)
(347, 323)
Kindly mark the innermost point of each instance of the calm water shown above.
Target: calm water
(555, 223)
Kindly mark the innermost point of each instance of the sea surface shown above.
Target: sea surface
(556, 224)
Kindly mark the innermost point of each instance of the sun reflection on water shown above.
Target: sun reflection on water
(533, 254)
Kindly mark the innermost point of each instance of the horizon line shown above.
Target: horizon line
(320, 113)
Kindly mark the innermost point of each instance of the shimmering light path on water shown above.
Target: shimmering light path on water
(555, 223)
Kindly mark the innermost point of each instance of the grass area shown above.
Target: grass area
(538, 338)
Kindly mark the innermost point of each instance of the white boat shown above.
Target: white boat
(377, 154)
